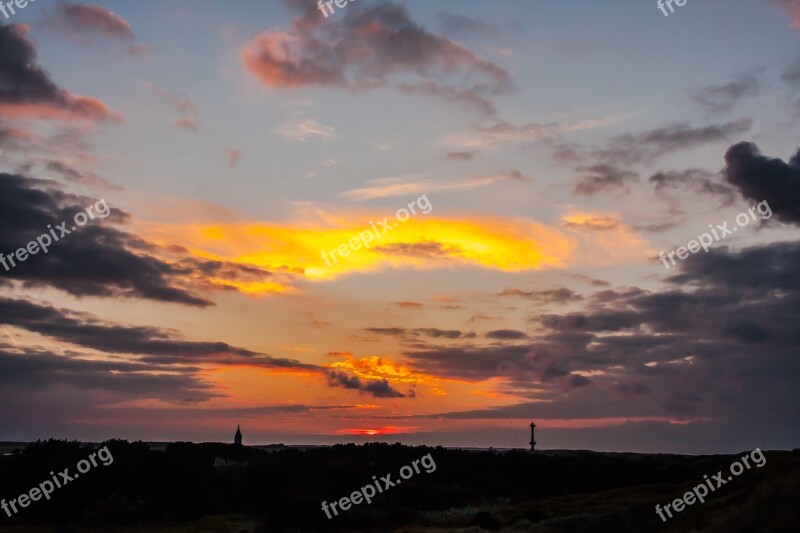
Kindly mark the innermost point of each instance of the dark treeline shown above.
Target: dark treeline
(284, 489)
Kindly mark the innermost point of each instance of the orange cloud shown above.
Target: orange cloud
(73, 108)
(384, 430)
(605, 239)
(378, 368)
(792, 7)
(423, 242)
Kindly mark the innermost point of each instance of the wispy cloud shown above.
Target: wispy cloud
(300, 128)
(505, 133)
(411, 184)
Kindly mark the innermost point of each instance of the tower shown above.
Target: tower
(533, 439)
(237, 439)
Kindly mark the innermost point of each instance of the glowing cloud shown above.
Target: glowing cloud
(423, 242)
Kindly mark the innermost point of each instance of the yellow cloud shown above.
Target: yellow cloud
(336, 246)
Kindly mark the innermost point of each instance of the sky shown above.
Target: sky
(421, 222)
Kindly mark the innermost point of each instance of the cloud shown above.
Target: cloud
(693, 181)
(603, 177)
(504, 133)
(462, 156)
(423, 242)
(591, 222)
(792, 8)
(590, 280)
(233, 155)
(648, 146)
(101, 260)
(301, 129)
(377, 388)
(560, 295)
(417, 184)
(27, 370)
(86, 178)
(410, 334)
(81, 22)
(718, 99)
(761, 178)
(506, 334)
(14, 138)
(467, 98)
(367, 48)
(724, 328)
(409, 305)
(180, 103)
(26, 90)
(88, 331)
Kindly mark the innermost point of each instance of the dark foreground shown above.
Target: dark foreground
(219, 487)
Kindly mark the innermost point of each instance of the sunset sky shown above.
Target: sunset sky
(551, 150)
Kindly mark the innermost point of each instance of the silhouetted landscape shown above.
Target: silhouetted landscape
(224, 487)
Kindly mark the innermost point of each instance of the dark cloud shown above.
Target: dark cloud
(81, 22)
(27, 90)
(328, 52)
(506, 334)
(694, 181)
(411, 333)
(462, 156)
(603, 178)
(409, 305)
(387, 331)
(719, 342)
(428, 249)
(94, 260)
(769, 268)
(473, 363)
(718, 99)
(600, 321)
(760, 178)
(648, 146)
(86, 178)
(559, 295)
(153, 345)
(590, 280)
(439, 333)
(27, 369)
(377, 388)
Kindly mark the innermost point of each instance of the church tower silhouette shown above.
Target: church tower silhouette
(237, 439)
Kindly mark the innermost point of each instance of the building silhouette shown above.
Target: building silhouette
(237, 439)
(533, 439)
